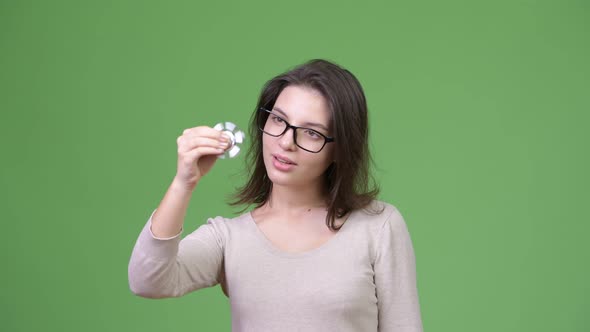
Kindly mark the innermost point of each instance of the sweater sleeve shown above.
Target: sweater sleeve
(395, 278)
(173, 267)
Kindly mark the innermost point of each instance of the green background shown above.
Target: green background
(479, 128)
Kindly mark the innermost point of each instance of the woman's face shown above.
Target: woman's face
(286, 163)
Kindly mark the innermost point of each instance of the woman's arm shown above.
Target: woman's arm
(171, 267)
(198, 149)
(395, 278)
(168, 218)
(162, 265)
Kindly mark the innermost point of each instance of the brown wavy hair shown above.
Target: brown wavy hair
(349, 184)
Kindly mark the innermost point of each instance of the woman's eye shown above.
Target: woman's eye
(312, 133)
(276, 119)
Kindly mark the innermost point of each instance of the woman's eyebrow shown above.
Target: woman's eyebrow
(306, 124)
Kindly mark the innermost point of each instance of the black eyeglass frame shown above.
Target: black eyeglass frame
(327, 139)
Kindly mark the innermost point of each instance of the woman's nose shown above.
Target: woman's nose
(287, 140)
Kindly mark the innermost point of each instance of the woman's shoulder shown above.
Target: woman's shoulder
(222, 227)
(224, 222)
(376, 209)
(376, 214)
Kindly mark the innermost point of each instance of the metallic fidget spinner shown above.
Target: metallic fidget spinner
(236, 138)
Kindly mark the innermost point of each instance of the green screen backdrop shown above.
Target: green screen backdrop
(479, 128)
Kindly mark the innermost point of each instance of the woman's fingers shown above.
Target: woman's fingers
(203, 131)
(198, 148)
(202, 151)
(187, 143)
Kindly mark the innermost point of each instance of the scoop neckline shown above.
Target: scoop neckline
(279, 252)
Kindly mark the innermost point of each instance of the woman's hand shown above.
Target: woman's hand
(198, 149)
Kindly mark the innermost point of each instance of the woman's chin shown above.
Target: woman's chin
(282, 179)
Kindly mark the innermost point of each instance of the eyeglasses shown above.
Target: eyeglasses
(308, 139)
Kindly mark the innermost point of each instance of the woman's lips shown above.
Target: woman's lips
(282, 163)
(284, 159)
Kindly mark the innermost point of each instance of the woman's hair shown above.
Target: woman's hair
(349, 184)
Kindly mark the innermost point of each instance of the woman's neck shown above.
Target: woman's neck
(290, 199)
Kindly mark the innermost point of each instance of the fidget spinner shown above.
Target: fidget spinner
(236, 138)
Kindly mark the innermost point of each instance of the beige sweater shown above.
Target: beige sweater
(362, 279)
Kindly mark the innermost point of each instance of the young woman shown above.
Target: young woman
(318, 252)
